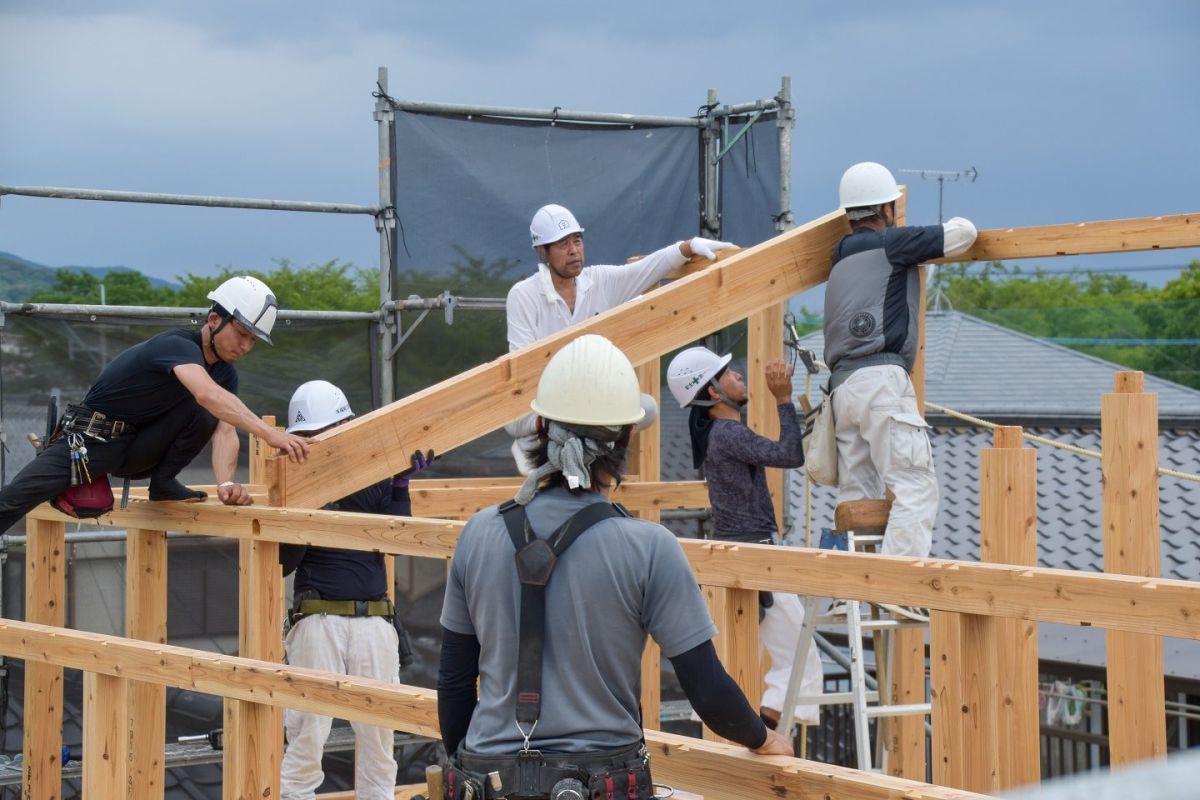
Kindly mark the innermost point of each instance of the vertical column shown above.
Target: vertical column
(980, 718)
(904, 737)
(647, 463)
(1008, 534)
(735, 611)
(764, 339)
(146, 619)
(1129, 445)
(946, 689)
(106, 751)
(44, 603)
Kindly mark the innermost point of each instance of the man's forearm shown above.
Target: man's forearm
(227, 407)
(225, 448)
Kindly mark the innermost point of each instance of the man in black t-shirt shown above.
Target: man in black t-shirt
(156, 405)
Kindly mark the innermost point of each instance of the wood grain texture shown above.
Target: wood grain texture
(45, 593)
(146, 619)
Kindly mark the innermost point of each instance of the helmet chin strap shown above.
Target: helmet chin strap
(212, 339)
(722, 398)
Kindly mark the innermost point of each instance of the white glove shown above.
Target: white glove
(708, 247)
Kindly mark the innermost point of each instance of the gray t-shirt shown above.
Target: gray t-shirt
(620, 580)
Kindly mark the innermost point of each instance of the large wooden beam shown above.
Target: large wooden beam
(1129, 443)
(378, 444)
(106, 736)
(45, 595)
(717, 770)
(1079, 238)
(146, 619)
(645, 497)
(1117, 602)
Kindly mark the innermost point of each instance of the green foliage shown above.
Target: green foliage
(1082, 309)
(332, 286)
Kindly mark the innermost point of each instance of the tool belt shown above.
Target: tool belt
(94, 424)
(342, 608)
(622, 774)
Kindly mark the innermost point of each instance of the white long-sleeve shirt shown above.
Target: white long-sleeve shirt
(535, 310)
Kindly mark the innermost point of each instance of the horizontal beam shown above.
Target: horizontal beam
(1115, 602)
(1087, 599)
(722, 770)
(367, 700)
(463, 501)
(376, 445)
(1081, 238)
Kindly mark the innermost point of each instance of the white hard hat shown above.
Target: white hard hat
(250, 302)
(552, 223)
(317, 405)
(691, 370)
(867, 184)
(589, 382)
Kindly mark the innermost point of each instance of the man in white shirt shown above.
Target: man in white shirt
(563, 291)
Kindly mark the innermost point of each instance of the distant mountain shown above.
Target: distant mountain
(19, 277)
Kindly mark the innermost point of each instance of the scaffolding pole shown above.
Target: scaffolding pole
(385, 223)
(209, 201)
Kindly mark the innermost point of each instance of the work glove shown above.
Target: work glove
(419, 462)
(708, 247)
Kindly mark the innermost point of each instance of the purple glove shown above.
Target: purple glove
(419, 462)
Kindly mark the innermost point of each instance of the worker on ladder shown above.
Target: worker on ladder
(548, 603)
(871, 333)
(734, 459)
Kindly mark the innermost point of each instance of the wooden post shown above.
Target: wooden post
(980, 719)
(647, 464)
(904, 737)
(1129, 463)
(764, 340)
(946, 691)
(735, 611)
(1008, 534)
(45, 590)
(106, 737)
(146, 619)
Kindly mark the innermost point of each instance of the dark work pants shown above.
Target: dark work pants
(159, 449)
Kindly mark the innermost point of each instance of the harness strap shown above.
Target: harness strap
(535, 563)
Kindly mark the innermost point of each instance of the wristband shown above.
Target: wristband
(226, 483)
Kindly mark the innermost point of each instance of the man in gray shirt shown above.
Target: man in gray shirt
(734, 459)
(621, 579)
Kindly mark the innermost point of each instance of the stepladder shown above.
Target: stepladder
(858, 528)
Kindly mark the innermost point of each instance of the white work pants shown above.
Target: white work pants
(363, 646)
(883, 442)
(779, 634)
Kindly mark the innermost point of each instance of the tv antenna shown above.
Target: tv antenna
(937, 298)
(943, 175)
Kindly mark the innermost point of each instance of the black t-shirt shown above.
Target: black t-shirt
(347, 574)
(138, 385)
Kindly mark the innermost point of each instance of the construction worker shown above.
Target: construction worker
(558, 692)
(156, 405)
(734, 459)
(563, 292)
(341, 618)
(871, 318)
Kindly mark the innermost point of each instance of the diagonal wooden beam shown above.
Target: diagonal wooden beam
(1081, 238)
(482, 399)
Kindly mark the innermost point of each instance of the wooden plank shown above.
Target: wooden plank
(106, 736)
(946, 697)
(717, 599)
(45, 589)
(980, 676)
(643, 497)
(764, 343)
(646, 462)
(1129, 464)
(1170, 607)
(687, 762)
(1109, 236)
(146, 619)
(375, 445)
(1008, 535)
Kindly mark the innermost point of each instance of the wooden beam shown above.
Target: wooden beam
(1008, 535)
(981, 745)
(947, 709)
(764, 343)
(146, 619)
(1117, 602)
(1129, 466)
(643, 497)
(375, 445)
(646, 461)
(106, 736)
(687, 762)
(1078, 238)
(45, 594)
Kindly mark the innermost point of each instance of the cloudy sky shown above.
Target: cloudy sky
(1070, 110)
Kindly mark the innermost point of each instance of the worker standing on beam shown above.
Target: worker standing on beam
(734, 459)
(558, 662)
(341, 619)
(156, 405)
(871, 332)
(564, 292)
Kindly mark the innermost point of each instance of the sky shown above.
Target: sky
(1070, 111)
